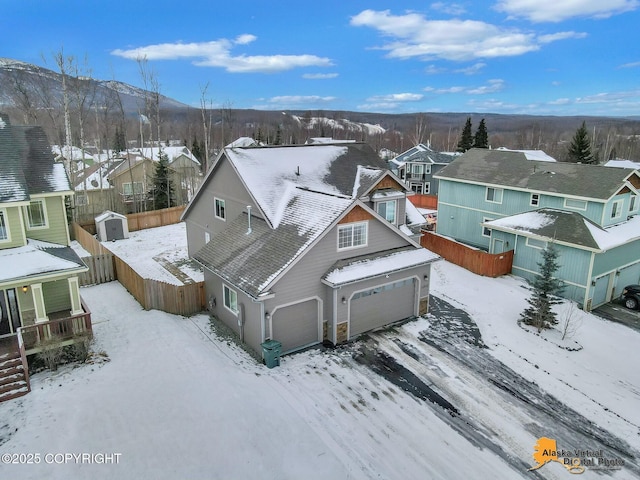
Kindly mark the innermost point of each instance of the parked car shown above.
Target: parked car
(631, 296)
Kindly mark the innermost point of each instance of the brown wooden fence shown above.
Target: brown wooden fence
(101, 270)
(150, 293)
(155, 218)
(474, 260)
(424, 201)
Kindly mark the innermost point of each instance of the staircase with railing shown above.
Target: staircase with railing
(14, 371)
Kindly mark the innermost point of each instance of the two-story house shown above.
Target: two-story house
(39, 291)
(418, 167)
(305, 244)
(499, 200)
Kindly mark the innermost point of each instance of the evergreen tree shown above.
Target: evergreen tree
(466, 139)
(119, 141)
(162, 190)
(580, 147)
(481, 140)
(544, 290)
(196, 149)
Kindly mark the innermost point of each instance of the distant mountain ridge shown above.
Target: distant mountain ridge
(19, 78)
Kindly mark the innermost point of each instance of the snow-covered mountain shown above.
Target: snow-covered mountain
(23, 84)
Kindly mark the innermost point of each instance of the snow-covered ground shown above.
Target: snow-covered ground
(159, 254)
(423, 400)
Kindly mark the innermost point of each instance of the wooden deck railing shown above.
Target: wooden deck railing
(63, 330)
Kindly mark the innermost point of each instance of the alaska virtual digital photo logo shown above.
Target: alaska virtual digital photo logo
(576, 461)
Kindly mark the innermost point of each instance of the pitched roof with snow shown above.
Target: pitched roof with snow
(273, 174)
(302, 191)
(38, 258)
(531, 154)
(568, 227)
(26, 163)
(512, 169)
(623, 164)
(172, 153)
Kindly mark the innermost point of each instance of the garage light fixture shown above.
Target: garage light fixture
(344, 300)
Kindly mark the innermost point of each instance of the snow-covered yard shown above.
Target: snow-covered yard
(176, 401)
(159, 254)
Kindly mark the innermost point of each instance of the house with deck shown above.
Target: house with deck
(307, 244)
(418, 167)
(40, 299)
(499, 200)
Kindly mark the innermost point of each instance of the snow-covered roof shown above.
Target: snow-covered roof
(318, 140)
(243, 142)
(422, 153)
(109, 214)
(273, 174)
(623, 164)
(27, 164)
(71, 153)
(37, 258)
(538, 155)
(172, 153)
(568, 227)
(375, 265)
(414, 215)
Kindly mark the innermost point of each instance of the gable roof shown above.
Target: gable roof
(423, 153)
(251, 261)
(272, 174)
(507, 168)
(27, 164)
(569, 228)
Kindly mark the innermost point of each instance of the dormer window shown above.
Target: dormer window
(388, 210)
(352, 235)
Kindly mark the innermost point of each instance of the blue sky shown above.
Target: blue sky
(558, 57)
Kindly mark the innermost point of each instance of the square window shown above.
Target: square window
(220, 211)
(230, 299)
(352, 235)
(494, 195)
(535, 243)
(36, 214)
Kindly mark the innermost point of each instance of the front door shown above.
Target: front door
(9, 312)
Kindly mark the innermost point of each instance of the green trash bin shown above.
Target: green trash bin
(271, 350)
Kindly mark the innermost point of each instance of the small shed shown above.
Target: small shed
(111, 226)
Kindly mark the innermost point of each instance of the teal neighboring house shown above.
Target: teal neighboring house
(499, 201)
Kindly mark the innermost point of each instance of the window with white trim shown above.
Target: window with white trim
(616, 209)
(427, 188)
(535, 243)
(137, 187)
(352, 235)
(387, 210)
(575, 204)
(4, 226)
(220, 210)
(535, 200)
(230, 298)
(633, 203)
(486, 231)
(37, 214)
(494, 195)
(416, 187)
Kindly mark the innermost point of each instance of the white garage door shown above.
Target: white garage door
(382, 305)
(296, 326)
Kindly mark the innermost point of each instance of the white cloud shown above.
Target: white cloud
(553, 37)
(630, 65)
(300, 99)
(396, 97)
(449, 8)
(434, 70)
(217, 53)
(319, 76)
(473, 69)
(493, 86)
(559, 10)
(373, 107)
(413, 35)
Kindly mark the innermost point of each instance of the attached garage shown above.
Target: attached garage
(629, 275)
(296, 326)
(381, 305)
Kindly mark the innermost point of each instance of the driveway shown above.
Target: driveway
(616, 312)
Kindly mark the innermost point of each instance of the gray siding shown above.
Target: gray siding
(303, 280)
(252, 329)
(226, 185)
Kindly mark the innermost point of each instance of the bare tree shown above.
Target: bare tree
(64, 63)
(420, 129)
(206, 124)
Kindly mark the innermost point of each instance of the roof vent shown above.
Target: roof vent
(249, 218)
